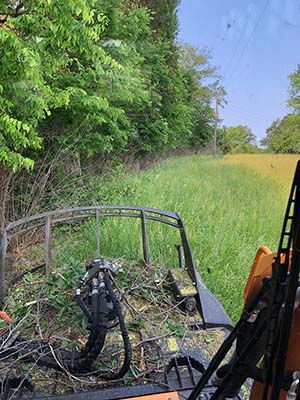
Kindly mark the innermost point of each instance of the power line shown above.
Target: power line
(240, 39)
(250, 38)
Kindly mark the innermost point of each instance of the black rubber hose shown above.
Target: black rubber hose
(97, 337)
(96, 298)
(82, 362)
(127, 346)
(29, 351)
(82, 305)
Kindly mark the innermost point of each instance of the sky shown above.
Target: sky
(255, 44)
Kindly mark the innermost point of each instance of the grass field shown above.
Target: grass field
(274, 167)
(229, 206)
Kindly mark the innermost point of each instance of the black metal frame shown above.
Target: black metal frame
(212, 312)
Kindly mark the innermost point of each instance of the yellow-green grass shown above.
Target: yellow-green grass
(274, 167)
(229, 210)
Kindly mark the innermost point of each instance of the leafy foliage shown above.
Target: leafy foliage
(90, 79)
(283, 136)
(23, 100)
(294, 99)
(238, 139)
(95, 75)
(51, 53)
(195, 68)
(56, 295)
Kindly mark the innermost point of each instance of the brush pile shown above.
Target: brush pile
(46, 312)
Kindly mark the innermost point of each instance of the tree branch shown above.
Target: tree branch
(20, 10)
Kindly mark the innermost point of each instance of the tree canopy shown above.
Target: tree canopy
(294, 91)
(96, 79)
(99, 75)
(237, 139)
(196, 68)
(283, 136)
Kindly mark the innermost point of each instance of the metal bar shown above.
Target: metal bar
(84, 216)
(238, 361)
(227, 344)
(25, 230)
(190, 369)
(187, 252)
(176, 366)
(166, 378)
(48, 244)
(3, 246)
(180, 256)
(91, 208)
(292, 286)
(279, 274)
(97, 234)
(145, 238)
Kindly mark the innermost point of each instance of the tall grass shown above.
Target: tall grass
(273, 167)
(228, 209)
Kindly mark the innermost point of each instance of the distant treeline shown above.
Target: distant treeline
(87, 80)
(283, 136)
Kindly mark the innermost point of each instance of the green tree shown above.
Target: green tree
(283, 136)
(94, 79)
(50, 65)
(238, 139)
(294, 91)
(168, 120)
(197, 72)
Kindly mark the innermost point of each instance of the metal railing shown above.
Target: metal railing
(48, 220)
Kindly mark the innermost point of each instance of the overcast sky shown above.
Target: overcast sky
(256, 44)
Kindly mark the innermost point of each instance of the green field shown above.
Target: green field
(229, 210)
(273, 167)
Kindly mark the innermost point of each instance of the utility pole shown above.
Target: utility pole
(216, 125)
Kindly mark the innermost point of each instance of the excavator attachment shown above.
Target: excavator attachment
(110, 327)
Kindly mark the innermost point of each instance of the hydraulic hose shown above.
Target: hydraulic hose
(126, 341)
(81, 361)
(82, 305)
(99, 327)
(96, 298)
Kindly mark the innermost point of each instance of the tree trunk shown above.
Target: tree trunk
(5, 179)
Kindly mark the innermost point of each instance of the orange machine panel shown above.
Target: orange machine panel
(262, 267)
